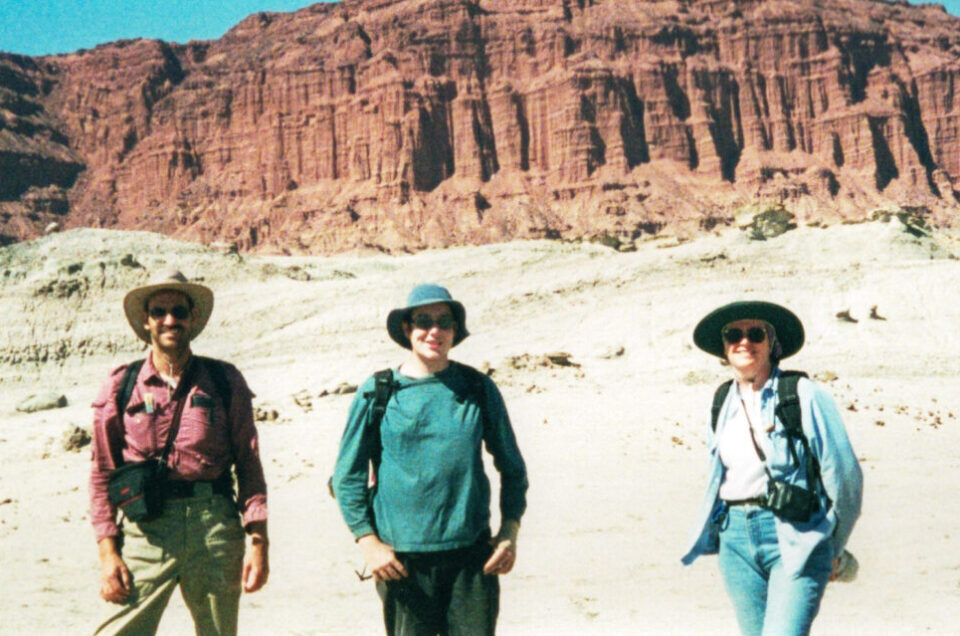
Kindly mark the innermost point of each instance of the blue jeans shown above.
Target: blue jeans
(767, 599)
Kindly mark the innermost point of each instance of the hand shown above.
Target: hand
(502, 559)
(256, 562)
(115, 580)
(845, 568)
(381, 560)
(505, 549)
(256, 568)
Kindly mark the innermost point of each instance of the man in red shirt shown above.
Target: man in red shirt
(197, 541)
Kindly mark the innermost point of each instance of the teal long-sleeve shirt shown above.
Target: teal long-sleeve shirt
(432, 492)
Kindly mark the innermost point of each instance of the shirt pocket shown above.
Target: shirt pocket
(140, 429)
(203, 426)
(779, 458)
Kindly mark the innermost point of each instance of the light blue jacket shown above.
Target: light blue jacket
(842, 490)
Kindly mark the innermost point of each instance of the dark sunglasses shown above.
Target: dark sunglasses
(177, 311)
(425, 322)
(733, 335)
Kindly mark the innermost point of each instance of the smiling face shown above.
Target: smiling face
(168, 318)
(429, 342)
(750, 360)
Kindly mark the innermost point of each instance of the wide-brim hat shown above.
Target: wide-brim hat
(789, 329)
(135, 302)
(421, 295)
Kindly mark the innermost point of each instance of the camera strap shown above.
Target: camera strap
(756, 446)
(763, 458)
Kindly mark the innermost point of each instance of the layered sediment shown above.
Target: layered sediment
(404, 124)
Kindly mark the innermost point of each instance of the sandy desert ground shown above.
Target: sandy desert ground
(614, 443)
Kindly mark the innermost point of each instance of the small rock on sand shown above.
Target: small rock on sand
(42, 402)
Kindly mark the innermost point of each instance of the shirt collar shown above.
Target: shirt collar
(151, 375)
(769, 387)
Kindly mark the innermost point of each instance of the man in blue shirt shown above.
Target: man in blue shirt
(425, 532)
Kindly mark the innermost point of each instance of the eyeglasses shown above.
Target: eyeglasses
(362, 575)
(177, 311)
(425, 322)
(733, 335)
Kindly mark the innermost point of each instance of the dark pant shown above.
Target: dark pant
(444, 593)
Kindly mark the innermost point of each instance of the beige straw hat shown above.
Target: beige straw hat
(135, 302)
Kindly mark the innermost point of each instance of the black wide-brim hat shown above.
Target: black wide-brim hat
(707, 334)
(421, 295)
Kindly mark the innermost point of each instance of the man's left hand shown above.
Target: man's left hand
(256, 562)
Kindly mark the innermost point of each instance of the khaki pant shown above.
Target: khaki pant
(197, 543)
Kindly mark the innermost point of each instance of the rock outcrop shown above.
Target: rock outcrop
(403, 124)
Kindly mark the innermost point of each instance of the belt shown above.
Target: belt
(760, 501)
(175, 489)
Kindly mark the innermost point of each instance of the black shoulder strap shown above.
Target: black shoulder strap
(125, 390)
(477, 391)
(788, 404)
(383, 386)
(718, 397)
(218, 374)
(788, 410)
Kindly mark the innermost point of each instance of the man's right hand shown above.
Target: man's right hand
(115, 582)
(381, 560)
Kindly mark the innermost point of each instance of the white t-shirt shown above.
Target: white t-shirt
(744, 477)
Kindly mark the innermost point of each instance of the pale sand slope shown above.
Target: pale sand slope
(615, 448)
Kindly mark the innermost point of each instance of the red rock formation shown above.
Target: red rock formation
(403, 124)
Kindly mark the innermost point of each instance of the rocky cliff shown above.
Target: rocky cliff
(403, 124)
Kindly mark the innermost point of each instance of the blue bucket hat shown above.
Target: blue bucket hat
(421, 295)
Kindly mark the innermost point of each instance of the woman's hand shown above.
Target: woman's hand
(505, 549)
(381, 560)
(502, 559)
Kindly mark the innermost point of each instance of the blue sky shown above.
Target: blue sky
(40, 27)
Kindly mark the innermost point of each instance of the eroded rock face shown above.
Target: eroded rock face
(403, 124)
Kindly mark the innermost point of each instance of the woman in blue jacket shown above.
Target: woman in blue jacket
(779, 530)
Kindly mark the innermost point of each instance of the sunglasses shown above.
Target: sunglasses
(425, 322)
(177, 311)
(733, 335)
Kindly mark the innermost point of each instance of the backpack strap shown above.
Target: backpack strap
(383, 386)
(788, 411)
(122, 398)
(218, 373)
(125, 389)
(477, 391)
(718, 398)
(788, 403)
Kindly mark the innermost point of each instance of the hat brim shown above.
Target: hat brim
(135, 300)
(788, 327)
(395, 320)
